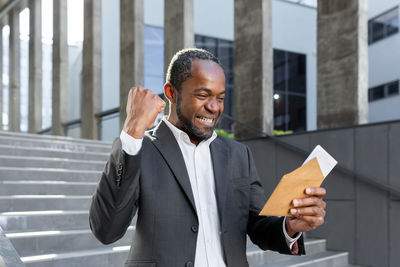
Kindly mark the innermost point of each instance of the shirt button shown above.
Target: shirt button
(195, 228)
(189, 264)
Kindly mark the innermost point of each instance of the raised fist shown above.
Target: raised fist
(142, 109)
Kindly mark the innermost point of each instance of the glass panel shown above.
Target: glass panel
(297, 113)
(393, 88)
(296, 73)
(6, 35)
(75, 45)
(280, 116)
(24, 67)
(154, 59)
(47, 63)
(279, 69)
(378, 92)
(109, 127)
(377, 29)
(383, 25)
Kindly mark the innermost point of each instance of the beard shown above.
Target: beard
(189, 127)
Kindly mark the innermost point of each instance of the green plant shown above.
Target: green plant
(276, 132)
(225, 133)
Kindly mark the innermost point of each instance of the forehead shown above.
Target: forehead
(205, 74)
(201, 67)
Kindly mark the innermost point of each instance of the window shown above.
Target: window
(289, 91)
(383, 91)
(383, 25)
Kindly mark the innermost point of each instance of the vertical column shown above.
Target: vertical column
(342, 63)
(60, 67)
(14, 113)
(131, 50)
(253, 67)
(178, 29)
(91, 68)
(35, 66)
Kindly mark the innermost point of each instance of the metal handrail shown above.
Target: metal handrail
(344, 170)
(71, 122)
(10, 5)
(105, 113)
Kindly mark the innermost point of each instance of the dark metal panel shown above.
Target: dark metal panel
(264, 156)
(394, 234)
(372, 226)
(394, 156)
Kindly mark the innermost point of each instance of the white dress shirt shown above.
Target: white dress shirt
(199, 166)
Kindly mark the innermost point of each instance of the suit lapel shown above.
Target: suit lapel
(165, 142)
(220, 161)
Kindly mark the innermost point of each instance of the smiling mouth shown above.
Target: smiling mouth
(206, 121)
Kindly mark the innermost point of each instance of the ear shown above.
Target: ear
(170, 92)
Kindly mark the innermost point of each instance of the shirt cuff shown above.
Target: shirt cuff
(289, 240)
(130, 145)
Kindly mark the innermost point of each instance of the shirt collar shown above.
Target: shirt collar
(182, 136)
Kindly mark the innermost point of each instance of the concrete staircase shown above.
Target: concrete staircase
(46, 184)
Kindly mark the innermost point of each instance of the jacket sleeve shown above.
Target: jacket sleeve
(265, 231)
(115, 200)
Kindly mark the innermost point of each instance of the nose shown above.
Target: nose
(212, 106)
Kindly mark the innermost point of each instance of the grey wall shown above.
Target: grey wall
(360, 218)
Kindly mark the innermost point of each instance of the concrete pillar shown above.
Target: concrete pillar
(131, 50)
(342, 63)
(14, 112)
(60, 67)
(35, 66)
(253, 67)
(91, 68)
(178, 30)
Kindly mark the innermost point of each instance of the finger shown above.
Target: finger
(316, 191)
(309, 211)
(313, 221)
(309, 201)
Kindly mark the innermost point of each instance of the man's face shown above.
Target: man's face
(200, 102)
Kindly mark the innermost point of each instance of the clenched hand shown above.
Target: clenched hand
(142, 109)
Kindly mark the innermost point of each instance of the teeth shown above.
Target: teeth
(204, 119)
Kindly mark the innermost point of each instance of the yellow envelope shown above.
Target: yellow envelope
(292, 186)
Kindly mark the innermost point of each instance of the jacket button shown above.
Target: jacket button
(195, 228)
(189, 264)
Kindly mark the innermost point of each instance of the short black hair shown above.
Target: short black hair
(179, 69)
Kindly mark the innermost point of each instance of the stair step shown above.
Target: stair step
(54, 144)
(53, 138)
(55, 241)
(322, 259)
(256, 256)
(15, 173)
(47, 202)
(24, 187)
(46, 152)
(44, 162)
(99, 257)
(24, 221)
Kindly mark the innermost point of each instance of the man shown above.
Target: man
(197, 194)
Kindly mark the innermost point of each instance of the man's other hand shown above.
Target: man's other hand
(307, 213)
(142, 108)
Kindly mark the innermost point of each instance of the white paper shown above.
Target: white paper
(326, 162)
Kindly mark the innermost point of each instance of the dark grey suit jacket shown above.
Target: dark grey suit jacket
(155, 184)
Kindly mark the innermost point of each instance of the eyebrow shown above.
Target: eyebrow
(207, 90)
